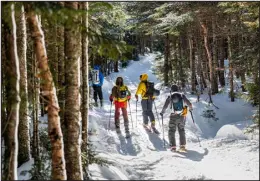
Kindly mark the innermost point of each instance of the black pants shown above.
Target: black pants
(98, 92)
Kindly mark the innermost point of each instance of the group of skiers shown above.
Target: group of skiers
(121, 95)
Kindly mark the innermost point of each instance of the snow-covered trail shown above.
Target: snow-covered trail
(231, 155)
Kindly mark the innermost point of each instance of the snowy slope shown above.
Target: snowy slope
(225, 152)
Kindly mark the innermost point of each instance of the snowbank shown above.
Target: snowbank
(231, 132)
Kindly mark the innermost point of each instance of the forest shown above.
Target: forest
(48, 50)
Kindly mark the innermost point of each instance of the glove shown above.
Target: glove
(136, 96)
(161, 114)
(128, 97)
(111, 98)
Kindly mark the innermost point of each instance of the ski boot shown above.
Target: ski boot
(127, 134)
(118, 131)
(96, 104)
(182, 148)
(173, 148)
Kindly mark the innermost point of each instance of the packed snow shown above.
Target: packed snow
(216, 149)
(225, 152)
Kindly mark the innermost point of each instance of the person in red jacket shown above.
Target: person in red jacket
(120, 95)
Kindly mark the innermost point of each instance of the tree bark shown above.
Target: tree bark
(61, 71)
(23, 129)
(49, 90)
(13, 75)
(232, 96)
(205, 36)
(180, 64)
(166, 60)
(36, 93)
(192, 65)
(116, 66)
(151, 43)
(72, 102)
(221, 62)
(215, 58)
(85, 87)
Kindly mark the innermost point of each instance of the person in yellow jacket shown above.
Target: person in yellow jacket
(147, 103)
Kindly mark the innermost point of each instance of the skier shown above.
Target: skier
(97, 83)
(177, 118)
(120, 95)
(146, 90)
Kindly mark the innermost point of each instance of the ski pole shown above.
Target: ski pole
(195, 126)
(157, 113)
(163, 132)
(110, 115)
(130, 114)
(136, 113)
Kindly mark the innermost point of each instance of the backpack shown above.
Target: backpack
(150, 90)
(122, 92)
(177, 101)
(95, 77)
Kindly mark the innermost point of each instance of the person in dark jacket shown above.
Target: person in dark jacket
(177, 117)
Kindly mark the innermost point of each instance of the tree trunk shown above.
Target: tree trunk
(215, 58)
(205, 36)
(180, 64)
(23, 129)
(192, 65)
(166, 60)
(221, 62)
(151, 43)
(61, 71)
(72, 103)
(13, 74)
(49, 90)
(85, 87)
(232, 96)
(116, 66)
(35, 151)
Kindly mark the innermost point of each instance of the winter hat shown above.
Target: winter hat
(174, 88)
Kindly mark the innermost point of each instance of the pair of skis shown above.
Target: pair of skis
(151, 129)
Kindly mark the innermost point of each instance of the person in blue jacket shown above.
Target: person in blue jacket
(97, 83)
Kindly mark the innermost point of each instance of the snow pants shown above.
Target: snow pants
(177, 121)
(122, 106)
(97, 93)
(147, 106)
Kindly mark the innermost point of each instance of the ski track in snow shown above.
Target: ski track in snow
(143, 156)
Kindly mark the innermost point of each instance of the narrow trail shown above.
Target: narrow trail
(143, 155)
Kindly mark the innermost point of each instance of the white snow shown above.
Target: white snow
(230, 132)
(226, 152)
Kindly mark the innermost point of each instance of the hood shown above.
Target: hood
(96, 67)
(174, 88)
(143, 77)
(117, 80)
